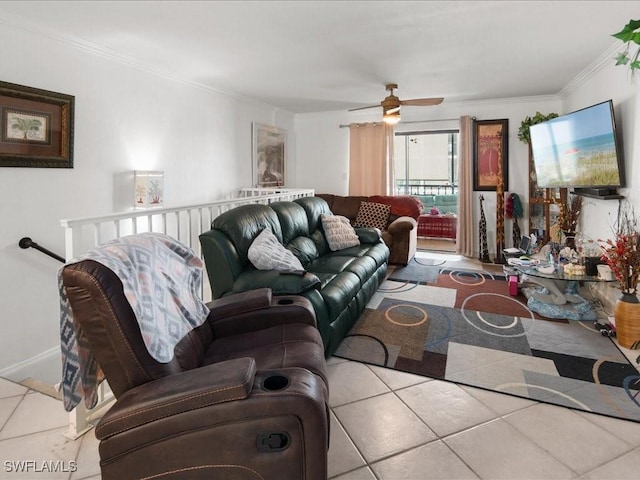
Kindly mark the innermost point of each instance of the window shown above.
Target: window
(426, 162)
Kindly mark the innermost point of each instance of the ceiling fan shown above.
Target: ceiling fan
(391, 105)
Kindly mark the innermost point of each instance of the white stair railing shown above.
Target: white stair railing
(185, 224)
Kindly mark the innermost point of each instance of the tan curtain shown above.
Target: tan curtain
(371, 159)
(466, 227)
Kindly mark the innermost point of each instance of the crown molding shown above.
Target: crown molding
(594, 67)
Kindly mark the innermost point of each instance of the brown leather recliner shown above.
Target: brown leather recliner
(245, 396)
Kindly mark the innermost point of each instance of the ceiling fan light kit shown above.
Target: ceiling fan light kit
(391, 117)
(391, 105)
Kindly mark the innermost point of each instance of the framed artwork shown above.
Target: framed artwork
(148, 188)
(490, 154)
(269, 155)
(36, 127)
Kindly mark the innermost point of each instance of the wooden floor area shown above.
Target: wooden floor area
(436, 244)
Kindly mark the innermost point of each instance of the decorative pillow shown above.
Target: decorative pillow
(267, 253)
(373, 215)
(339, 232)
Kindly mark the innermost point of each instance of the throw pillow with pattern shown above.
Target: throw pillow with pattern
(267, 253)
(338, 232)
(373, 215)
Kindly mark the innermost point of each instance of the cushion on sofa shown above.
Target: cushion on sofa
(401, 205)
(267, 253)
(347, 206)
(373, 215)
(339, 232)
(244, 224)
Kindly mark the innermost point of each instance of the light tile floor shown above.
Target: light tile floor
(385, 425)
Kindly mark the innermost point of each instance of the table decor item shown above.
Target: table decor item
(574, 270)
(568, 220)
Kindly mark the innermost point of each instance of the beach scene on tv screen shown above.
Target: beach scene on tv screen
(576, 150)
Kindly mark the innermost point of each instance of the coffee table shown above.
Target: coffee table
(563, 293)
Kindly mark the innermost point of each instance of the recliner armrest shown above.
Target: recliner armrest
(283, 309)
(217, 383)
(239, 303)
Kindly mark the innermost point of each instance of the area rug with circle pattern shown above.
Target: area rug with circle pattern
(464, 327)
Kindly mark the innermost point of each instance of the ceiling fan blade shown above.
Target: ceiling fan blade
(362, 108)
(422, 102)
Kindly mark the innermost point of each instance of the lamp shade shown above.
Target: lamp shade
(391, 117)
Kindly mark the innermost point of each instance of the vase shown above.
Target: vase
(569, 239)
(627, 316)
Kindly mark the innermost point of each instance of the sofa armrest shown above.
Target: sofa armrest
(402, 224)
(368, 235)
(189, 390)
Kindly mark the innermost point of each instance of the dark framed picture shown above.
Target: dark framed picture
(269, 149)
(490, 154)
(36, 127)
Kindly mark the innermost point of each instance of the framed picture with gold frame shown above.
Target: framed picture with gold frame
(36, 127)
(490, 154)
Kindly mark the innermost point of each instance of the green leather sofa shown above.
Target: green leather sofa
(338, 284)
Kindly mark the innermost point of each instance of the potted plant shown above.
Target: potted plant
(630, 34)
(523, 131)
(622, 254)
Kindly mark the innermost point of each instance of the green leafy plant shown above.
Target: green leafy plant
(629, 34)
(523, 131)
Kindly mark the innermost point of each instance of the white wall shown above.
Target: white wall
(126, 118)
(323, 147)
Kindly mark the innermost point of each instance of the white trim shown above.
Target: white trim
(12, 372)
(607, 58)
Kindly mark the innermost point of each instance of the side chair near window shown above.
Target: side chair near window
(235, 389)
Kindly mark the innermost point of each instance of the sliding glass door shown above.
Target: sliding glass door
(426, 162)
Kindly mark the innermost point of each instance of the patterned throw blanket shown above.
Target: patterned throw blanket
(161, 279)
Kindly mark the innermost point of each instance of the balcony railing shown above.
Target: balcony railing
(425, 187)
(185, 224)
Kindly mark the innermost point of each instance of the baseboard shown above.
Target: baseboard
(45, 367)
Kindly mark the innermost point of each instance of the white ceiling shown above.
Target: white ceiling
(318, 56)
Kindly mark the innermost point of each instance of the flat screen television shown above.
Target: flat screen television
(579, 150)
